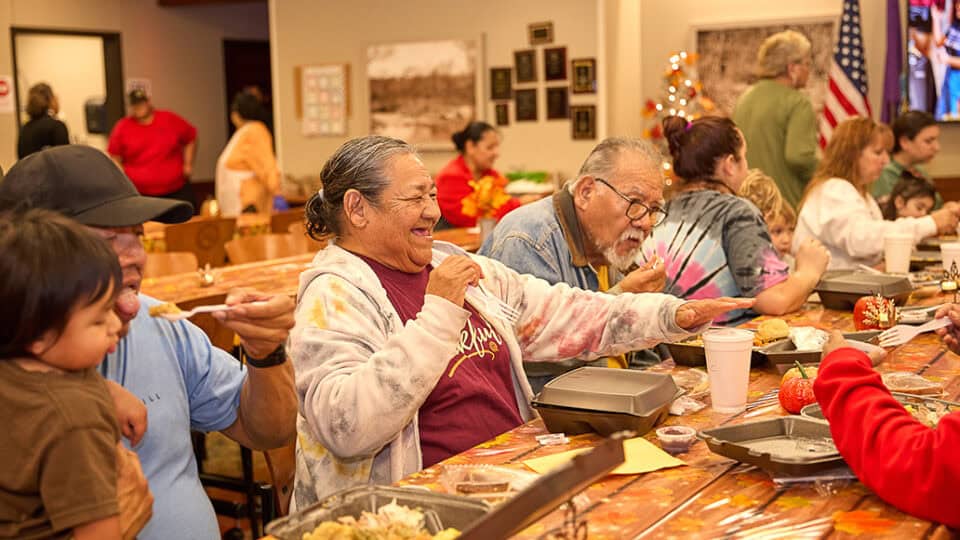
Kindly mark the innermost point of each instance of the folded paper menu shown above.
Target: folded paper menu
(640, 456)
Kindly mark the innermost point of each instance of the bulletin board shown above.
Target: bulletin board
(323, 103)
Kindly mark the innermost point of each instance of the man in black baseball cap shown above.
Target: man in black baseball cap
(182, 379)
(84, 184)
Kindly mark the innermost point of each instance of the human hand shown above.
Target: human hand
(834, 342)
(812, 258)
(450, 278)
(262, 321)
(131, 413)
(187, 170)
(946, 218)
(950, 334)
(699, 312)
(133, 494)
(650, 277)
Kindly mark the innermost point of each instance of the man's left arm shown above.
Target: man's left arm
(267, 414)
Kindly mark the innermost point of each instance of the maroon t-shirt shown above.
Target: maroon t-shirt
(474, 399)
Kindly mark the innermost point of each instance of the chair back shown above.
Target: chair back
(203, 236)
(280, 221)
(261, 247)
(170, 262)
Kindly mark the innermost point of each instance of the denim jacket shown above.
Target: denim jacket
(544, 239)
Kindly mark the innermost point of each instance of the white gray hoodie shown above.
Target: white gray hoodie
(362, 375)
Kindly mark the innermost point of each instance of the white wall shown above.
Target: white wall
(73, 67)
(668, 25)
(178, 48)
(309, 32)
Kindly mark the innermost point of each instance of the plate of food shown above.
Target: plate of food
(690, 352)
(929, 411)
(805, 345)
(490, 483)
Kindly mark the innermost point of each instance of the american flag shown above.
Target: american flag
(847, 88)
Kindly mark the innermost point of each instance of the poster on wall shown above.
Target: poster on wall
(422, 92)
(324, 100)
(727, 59)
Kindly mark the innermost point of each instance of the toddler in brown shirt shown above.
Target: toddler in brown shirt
(58, 447)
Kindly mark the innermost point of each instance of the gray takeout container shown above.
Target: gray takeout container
(440, 510)
(605, 400)
(782, 354)
(788, 445)
(840, 289)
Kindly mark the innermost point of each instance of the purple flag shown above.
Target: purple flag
(890, 107)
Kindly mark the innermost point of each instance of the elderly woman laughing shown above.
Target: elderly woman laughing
(398, 365)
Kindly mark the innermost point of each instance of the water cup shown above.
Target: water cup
(897, 248)
(728, 353)
(950, 252)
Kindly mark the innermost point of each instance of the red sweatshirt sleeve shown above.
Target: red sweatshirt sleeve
(905, 463)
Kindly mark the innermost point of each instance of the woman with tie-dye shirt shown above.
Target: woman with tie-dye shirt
(715, 243)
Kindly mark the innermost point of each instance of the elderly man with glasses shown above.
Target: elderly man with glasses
(588, 235)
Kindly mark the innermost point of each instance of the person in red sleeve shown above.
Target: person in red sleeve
(156, 149)
(906, 463)
(479, 146)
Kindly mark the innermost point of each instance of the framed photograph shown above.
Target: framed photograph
(501, 83)
(526, 105)
(721, 49)
(525, 62)
(555, 64)
(403, 78)
(322, 99)
(540, 33)
(557, 103)
(503, 114)
(584, 121)
(584, 75)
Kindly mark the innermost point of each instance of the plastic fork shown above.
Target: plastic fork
(180, 315)
(902, 333)
(480, 297)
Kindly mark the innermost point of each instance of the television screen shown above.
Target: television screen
(933, 58)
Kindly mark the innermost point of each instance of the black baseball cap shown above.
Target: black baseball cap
(81, 182)
(137, 95)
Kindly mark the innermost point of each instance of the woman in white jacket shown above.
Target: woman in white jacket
(838, 210)
(397, 366)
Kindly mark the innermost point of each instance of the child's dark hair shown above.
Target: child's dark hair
(51, 266)
(473, 133)
(909, 187)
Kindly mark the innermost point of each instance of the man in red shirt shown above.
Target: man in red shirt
(155, 149)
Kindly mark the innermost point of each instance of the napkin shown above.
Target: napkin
(640, 456)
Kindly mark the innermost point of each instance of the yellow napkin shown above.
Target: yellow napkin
(640, 456)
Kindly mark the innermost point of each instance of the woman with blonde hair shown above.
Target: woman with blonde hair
(776, 118)
(838, 210)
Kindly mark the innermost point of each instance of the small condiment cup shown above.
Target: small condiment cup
(676, 439)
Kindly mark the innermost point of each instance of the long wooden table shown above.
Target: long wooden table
(714, 497)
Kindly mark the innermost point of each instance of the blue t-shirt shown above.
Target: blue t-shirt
(186, 383)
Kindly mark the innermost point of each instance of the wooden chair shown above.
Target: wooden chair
(171, 262)
(261, 247)
(304, 243)
(281, 221)
(282, 464)
(204, 237)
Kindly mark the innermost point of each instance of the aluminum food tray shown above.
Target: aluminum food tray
(440, 510)
(789, 445)
(814, 411)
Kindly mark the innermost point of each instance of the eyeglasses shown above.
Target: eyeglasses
(636, 209)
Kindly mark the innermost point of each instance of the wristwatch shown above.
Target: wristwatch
(277, 357)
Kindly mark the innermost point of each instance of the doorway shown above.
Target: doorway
(68, 61)
(246, 63)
